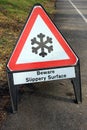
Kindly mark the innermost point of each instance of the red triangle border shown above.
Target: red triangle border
(38, 10)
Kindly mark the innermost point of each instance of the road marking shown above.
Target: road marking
(79, 12)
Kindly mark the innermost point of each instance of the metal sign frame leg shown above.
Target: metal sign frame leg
(77, 84)
(13, 92)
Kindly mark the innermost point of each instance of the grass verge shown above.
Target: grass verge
(13, 14)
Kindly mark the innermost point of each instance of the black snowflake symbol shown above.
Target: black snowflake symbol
(42, 45)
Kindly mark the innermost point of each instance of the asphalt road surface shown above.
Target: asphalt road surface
(51, 105)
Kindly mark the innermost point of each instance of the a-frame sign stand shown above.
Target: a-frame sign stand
(14, 88)
(42, 54)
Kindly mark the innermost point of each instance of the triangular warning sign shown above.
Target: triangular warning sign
(40, 45)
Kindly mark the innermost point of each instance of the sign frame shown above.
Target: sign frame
(76, 82)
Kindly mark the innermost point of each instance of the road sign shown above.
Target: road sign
(41, 54)
(40, 45)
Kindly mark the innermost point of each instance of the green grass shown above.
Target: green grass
(13, 14)
(20, 8)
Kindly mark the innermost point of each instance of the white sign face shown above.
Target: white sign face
(43, 75)
(27, 55)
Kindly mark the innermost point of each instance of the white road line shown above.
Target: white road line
(79, 12)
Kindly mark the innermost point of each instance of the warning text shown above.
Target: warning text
(43, 75)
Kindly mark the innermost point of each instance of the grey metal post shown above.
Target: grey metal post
(77, 84)
(13, 92)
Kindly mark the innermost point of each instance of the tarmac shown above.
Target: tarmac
(50, 105)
